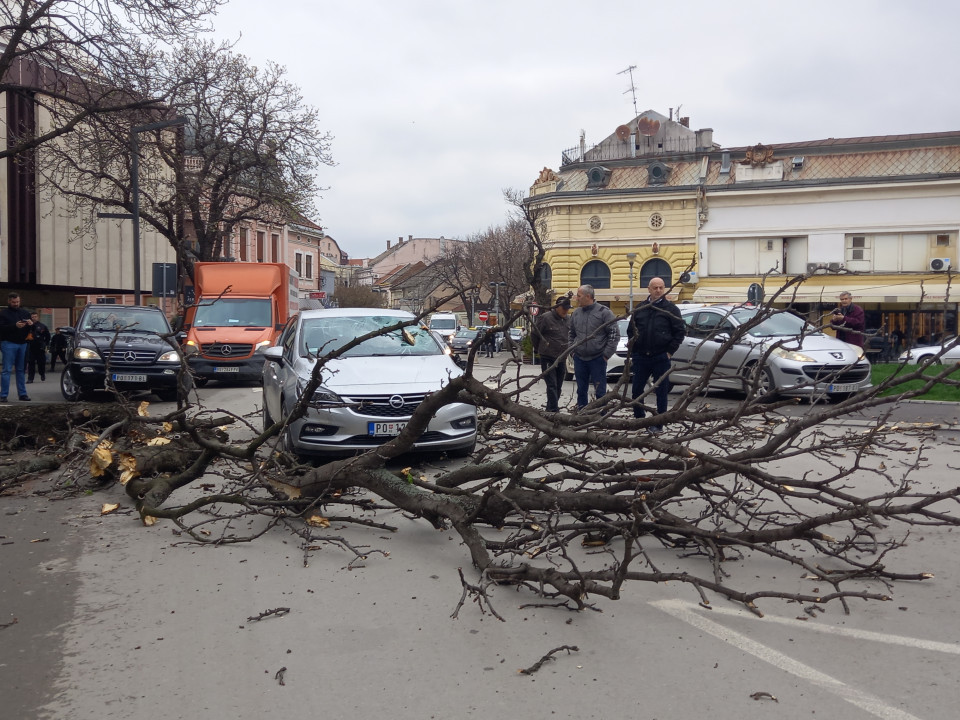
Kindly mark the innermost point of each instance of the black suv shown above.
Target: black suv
(123, 348)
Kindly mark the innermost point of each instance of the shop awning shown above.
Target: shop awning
(911, 292)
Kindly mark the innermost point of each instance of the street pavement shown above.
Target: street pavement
(101, 617)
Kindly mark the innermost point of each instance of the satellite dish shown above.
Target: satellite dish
(623, 132)
(647, 126)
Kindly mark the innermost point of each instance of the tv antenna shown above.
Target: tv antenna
(632, 89)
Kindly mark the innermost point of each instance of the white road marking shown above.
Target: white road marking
(863, 700)
(932, 645)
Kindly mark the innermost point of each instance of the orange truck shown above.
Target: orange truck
(238, 312)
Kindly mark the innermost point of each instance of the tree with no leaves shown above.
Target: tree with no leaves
(78, 60)
(572, 508)
(249, 151)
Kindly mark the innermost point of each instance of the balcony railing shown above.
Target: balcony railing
(621, 150)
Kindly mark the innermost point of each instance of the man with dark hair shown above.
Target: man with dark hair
(58, 349)
(593, 340)
(655, 332)
(15, 325)
(551, 336)
(849, 321)
(37, 342)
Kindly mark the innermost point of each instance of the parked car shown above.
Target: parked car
(465, 339)
(368, 394)
(779, 351)
(129, 348)
(616, 363)
(925, 353)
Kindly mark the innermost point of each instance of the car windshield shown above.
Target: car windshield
(467, 334)
(319, 336)
(443, 323)
(233, 312)
(622, 325)
(779, 324)
(126, 319)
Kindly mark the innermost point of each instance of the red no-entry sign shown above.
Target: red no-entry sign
(482, 316)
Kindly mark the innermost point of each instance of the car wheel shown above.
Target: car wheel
(71, 391)
(766, 387)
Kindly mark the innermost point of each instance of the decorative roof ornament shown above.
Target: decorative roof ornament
(546, 175)
(758, 156)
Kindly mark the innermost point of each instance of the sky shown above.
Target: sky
(437, 106)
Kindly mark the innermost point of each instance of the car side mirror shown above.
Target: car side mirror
(68, 331)
(722, 337)
(274, 353)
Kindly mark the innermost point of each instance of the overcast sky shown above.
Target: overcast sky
(437, 106)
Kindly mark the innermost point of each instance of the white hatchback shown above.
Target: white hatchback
(771, 351)
(368, 394)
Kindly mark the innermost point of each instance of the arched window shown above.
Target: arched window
(597, 274)
(656, 268)
(546, 275)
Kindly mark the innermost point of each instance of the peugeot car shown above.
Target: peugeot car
(366, 395)
(771, 351)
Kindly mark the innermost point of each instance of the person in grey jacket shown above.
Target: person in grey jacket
(550, 337)
(593, 340)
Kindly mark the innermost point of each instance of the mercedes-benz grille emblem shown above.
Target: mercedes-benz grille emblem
(130, 356)
(225, 349)
(396, 401)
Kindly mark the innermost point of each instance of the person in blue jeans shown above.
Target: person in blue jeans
(655, 332)
(593, 340)
(15, 326)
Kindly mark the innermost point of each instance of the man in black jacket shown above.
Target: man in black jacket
(37, 343)
(656, 331)
(14, 327)
(551, 337)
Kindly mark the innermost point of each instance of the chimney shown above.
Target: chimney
(388, 244)
(704, 139)
(409, 237)
(685, 121)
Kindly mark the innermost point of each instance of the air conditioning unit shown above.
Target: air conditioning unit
(940, 264)
(814, 267)
(689, 278)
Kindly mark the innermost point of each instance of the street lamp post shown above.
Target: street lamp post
(496, 299)
(631, 258)
(135, 188)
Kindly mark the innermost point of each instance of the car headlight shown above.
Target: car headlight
(83, 353)
(261, 346)
(792, 355)
(190, 348)
(321, 396)
(169, 356)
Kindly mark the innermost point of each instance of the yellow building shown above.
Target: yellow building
(634, 197)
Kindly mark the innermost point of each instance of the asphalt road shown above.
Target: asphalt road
(114, 620)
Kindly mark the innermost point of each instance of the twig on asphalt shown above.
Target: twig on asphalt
(549, 656)
(279, 612)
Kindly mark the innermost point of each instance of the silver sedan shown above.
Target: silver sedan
(367, 395)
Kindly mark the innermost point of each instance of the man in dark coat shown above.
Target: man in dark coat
(655, 332)
(38, 340)
(551, 337)
(849, 321)
(58, 349)
(15, 325)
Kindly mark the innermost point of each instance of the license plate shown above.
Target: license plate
(226, 369)
(121, 377)
(385, 428)
(842, 388)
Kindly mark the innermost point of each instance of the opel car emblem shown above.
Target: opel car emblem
(225, 349)
(396, 402)
(837, 355)
(130, 356)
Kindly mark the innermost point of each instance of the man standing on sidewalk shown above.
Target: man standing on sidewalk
(37, 343)
(14, 327)
(551, 336)
(593, 340)
(655, 332)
